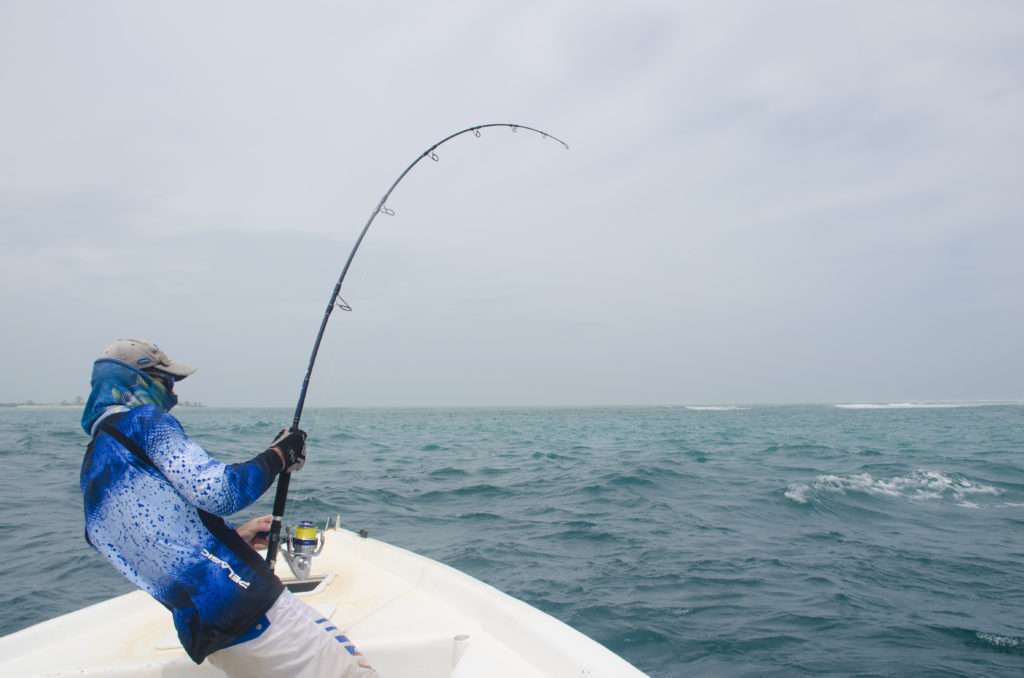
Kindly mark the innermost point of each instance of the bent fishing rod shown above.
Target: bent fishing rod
(281, 497)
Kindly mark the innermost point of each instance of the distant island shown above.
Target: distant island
(80, 402)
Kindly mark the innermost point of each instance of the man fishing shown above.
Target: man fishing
(154, 502)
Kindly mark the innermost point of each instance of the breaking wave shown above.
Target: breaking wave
(1000, 642)
(920, 485)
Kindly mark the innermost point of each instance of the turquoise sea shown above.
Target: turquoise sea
(760, 541)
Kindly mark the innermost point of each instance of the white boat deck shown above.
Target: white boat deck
(404, 612)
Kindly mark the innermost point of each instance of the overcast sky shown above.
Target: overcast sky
(764, 202)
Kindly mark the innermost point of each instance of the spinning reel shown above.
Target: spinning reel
(302, 543)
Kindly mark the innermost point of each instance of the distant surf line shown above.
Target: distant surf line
(925, 404)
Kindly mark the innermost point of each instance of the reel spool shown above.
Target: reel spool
(303, 542)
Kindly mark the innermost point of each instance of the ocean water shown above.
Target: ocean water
(817, 540)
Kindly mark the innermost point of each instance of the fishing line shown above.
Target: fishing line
(337, 301)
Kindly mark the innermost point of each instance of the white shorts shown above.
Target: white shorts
(298, 643)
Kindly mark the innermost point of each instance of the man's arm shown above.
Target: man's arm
(208, 484)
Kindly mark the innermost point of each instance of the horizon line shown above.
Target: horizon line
(710, 404)
(777, 403)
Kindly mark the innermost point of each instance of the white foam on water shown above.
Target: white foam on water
(798, 493)
(921, 485)
(715, 408)
(922, 405)
(999, 641)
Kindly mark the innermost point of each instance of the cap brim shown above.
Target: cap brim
(177, 370)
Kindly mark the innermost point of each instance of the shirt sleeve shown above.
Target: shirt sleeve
(208, 484)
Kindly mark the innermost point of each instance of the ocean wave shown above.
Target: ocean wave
(993, 641)
(922, 484)
(482, 491)
(448, 472)
(923, 405)
(479, 516)
(629, 480)
(339, 435)
(796, 447)
(1001, 642)
(715, 408)
(548, 455)
(586, 535)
